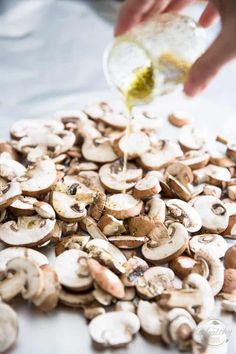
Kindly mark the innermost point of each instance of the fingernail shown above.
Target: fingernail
(191, 89)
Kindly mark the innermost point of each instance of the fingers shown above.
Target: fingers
(178, 5)
(159, 7)
(208, 65)
(209, 16)
(131, 13)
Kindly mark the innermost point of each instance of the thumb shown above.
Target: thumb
(208, 65)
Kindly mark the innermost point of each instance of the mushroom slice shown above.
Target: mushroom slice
(97, 110)
(141, 225)
(113, 179)
(91, 180)
(102, 297)
(147, 121)
(76, 300)
(72, 270)
(231, 149)
(217, 175)
(171, 248)
(179, 119)
(215, 191)
(24, 127)
(15, 252)
(195, 159)
(23, 206)
(128, 242)
(10, 168)
(98, 151)
(181, 172)
(216, 269)
(123, 206)
(185, 214)
(44, 210)
(125, 306)
(39, 178)
(109, 254)
(93, 311)
(210, 242)
(71, 242)
(87, 166)
(114, 329)
(27, 231)
(160, 155)
(96, 209)
(8, 327)
(182, 266)
(191, 138)
(133, 145)
(178, 189)
(9, 191)
(150, 317)
(229, 257)
(134, 269)
(157, 209)
(214, 215)
(92, 228)
(148, 186)
(111, 226)
(154, 281)
(49, 297)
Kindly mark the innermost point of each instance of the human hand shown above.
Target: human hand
(218, 54)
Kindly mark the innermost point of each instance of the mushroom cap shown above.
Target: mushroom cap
(111, 226)
(9, 191)
(114, 328)
(72, 270)
(230, 257)
(229, 280)
(8, 327)
(214, 243)
(123, 206)
(150, 317)
(29, 230)
(182, 266)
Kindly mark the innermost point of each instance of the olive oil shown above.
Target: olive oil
(139, 91)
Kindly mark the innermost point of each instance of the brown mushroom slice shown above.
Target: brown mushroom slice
(72, 270)
(113, 179)
(148, 186)
(123, 206)
(23, 252)
(97, 151)
(6, 147)
(210, 242)
(178, 189)
(91, 180)
(10, 168)
(24, 127)
(179, 119)
(9, 191)
(217, 175)
(141, 225)
(114, 329)
(134, 269)
(150, 316)
(133, 145)
(191, 138)
(185, 214)
(96, 209)
(231, 191)
(44, 210)
(154, 281)
(76, 300)
(92, 228)
(157, 209)
(23, 206)
(231, 149)
(171, 248)
(195, 159)
(128, 242)
(39, 178)
(93, 311)
(111, 226)
(27, 231)
(160, 155)
(181, 172)
(229, 257)
(215, 191)
(8, 327)
(70, 242)
(102, 297)
(182, 266)
(214, 215)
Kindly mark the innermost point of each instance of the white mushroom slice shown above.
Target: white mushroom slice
(179, 119)
(195, 159)
(88, 130)
(8, 327)
(87, 166)
(209, 242)
(44, 210)
(128, 242)
(160, 155)
(115, 120)
(123, 206)
(231, 191)
(148, 186)
(71, 242)
(134, 269)
(93, 311)
(150, 317)
(72, 270)
(114, 328)
(214, 215)
(215, 191)
(97, 110)
(106, 279)
(111, 226)
(125, 306)
(9, 168)
(216, 269)
(9, 191)
(134, 145)
(113, 179)
(157, 209)
(13, 252)
(231, 149)
(178, 189)
(24, 127)
(154, 281)
(76, 300)
(185, 214)
(109, 254)
(91, 180)
(101, 152)
(229, 306)
(101, 296)
(171, 248)
(96, 209)
(191, 138)
(181, 172)
(92, 228)
(39, 178)
(7, 148)
(23, 206)
(217, 175)
(27, 231)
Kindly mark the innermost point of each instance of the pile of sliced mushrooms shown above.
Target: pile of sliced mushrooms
(154, 258)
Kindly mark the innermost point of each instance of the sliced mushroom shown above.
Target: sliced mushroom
(93, 311)
(91, 180)
(179, 119)
(96, 209)
(195, 159)
(111, 226)
(191, 138)
(217, 175)
(125, 306)
(27, 231)
(229, 280)
(9, 168)
(76, 300)
(44, 210)
(157, 209)
(98, 151)
(181, 172)
(134, 269)
(212, 190)
(9, 191)
(170, 248)
(229, 257)
(128, 242)
(23, 206)
(182, 266)
(211, 242)
(114, 328)
(8, 327)
(185, 214)
(141, 225)
(150, 317)
(72, 270)
(102, 297)
(77, 241)
(123, 206)
(148, 186)
(178, 189)
(134, 145)
(215, 217)
(91, 227)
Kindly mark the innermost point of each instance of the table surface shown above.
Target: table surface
(50, 59)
